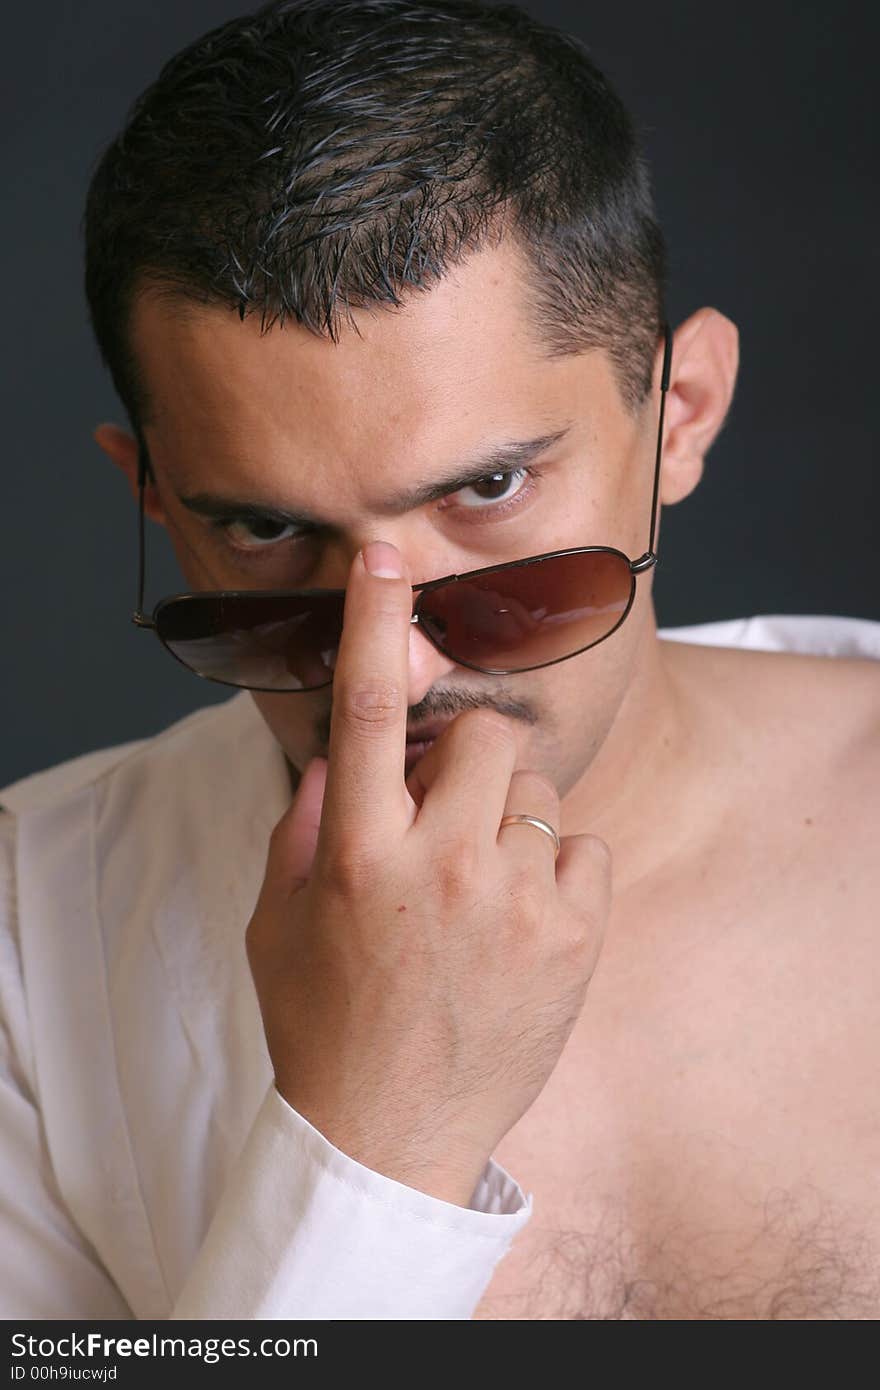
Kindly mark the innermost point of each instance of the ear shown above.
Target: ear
(705, 361)
(122, 448)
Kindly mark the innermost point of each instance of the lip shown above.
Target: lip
(426, 733)
(415, 752)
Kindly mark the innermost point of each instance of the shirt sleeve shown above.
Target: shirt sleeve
(330, 1238)
(301, 1229)
(48, 1270)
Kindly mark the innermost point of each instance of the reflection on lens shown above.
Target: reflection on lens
(531, 614)
(257, 640)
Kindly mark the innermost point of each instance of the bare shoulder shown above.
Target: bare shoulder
(831, 708)
(827, 712)
(794, 706)
(797, 738)
(835, 700)
(855, 687)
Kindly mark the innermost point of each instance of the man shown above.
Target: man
(274, 1057)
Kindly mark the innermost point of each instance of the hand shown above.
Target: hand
(418, 970)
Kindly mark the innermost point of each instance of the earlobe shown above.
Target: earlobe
(705, 360)
(122, 448)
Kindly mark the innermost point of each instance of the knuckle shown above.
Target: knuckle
(371, 704)
(353, 871)
(525, 897)
(524, 912)
(458, 870)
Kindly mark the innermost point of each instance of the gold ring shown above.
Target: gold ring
(533, 820)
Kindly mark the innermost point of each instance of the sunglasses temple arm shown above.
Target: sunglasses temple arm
(138, 617)
(649, 558)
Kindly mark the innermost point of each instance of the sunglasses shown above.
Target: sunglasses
(518, 616)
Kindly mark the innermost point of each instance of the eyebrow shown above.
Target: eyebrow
(500, 457)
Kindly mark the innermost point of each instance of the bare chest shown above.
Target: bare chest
(708, 1146)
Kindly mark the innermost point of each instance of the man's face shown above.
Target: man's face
(336, 431)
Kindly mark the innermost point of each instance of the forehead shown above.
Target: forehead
(456, 365)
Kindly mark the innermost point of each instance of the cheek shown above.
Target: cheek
(578, 710)
(294, 720)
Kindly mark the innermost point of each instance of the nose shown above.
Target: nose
(426, 665)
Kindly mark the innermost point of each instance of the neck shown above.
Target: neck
(646, 793)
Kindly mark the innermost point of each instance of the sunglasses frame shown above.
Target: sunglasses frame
(636, 567)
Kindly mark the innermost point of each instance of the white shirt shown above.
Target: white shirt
(148, 1166)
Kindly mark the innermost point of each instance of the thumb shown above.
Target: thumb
(296, 835)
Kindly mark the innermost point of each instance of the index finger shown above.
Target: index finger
(365, 798)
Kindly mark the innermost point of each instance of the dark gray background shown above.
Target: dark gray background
(759, 123)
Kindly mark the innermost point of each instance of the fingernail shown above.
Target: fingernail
(382, 560)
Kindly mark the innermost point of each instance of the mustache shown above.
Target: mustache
(444, 706)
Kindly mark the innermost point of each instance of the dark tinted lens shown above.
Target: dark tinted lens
(532, 614)
(261, 641)
(508, 620)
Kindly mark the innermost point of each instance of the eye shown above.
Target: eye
(498, 486)
(258, 532)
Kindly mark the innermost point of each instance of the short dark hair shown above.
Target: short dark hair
(318, 155)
